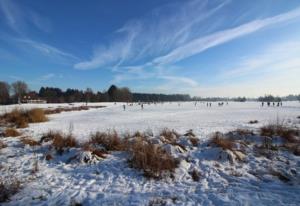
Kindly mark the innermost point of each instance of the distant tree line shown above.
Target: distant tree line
(15, 93)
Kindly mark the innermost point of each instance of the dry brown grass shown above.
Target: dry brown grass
(152, 159)
(21, 118)
(70, 109)
(60, 141)
(11, 132)
(194, 140)
(288, 133)
(29, 141)
(110, 140)
(170, 135)
(219, 140)
(8, 188)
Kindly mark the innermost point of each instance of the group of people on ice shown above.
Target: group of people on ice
(269, 104)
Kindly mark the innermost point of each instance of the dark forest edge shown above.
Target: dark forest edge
(19, 91)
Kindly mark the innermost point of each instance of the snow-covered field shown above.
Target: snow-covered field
(112, 182)
(202, 119)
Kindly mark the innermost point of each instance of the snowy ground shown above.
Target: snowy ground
(112, 182)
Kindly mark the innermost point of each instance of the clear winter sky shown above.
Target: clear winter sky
(200, 47)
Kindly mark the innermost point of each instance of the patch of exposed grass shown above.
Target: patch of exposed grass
(288, 133)
(11, 132)
(221, 141)
(170, 136)
(29, 141)
(151, 159)
(60, 141)
(21, 118)
(110, 140)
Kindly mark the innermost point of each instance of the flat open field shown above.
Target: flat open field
(201, 119)
(248, 173)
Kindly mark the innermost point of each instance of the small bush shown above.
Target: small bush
(29, 141)
(11, 132)
(289, 134)
(219, 140)
(21, 118)
(152, 159)
(170, 135)
(36, 115)
(50, 136)
(253, 122)
(60, 141)
(110, 141)
(8, 188)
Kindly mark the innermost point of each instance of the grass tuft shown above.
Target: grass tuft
(152, 159)
(11, 132)
(110, 140)
(219, 140)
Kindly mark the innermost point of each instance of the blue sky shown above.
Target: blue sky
(201, 47)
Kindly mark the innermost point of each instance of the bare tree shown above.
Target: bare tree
(4, 92)
(20, 89)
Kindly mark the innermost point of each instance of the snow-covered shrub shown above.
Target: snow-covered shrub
(152, 159)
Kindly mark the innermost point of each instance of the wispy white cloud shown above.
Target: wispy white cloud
(201, 44)
(46, 49)
(157, 33)
(19, 18)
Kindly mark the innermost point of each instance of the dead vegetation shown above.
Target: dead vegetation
(170, 136)
(221, 141)
(8, 188)
(109, 140)
(11, 132)
(151, 159)
(287, 133)
(29, 141)
(60, 141)
(70, 109)
(21, 118)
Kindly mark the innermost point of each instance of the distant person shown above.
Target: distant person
(278, 104)
(207, 104)
(273, 104)
(262, 104)
(142, 106)
(269, 104)
(124, 107)
(210, 104)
